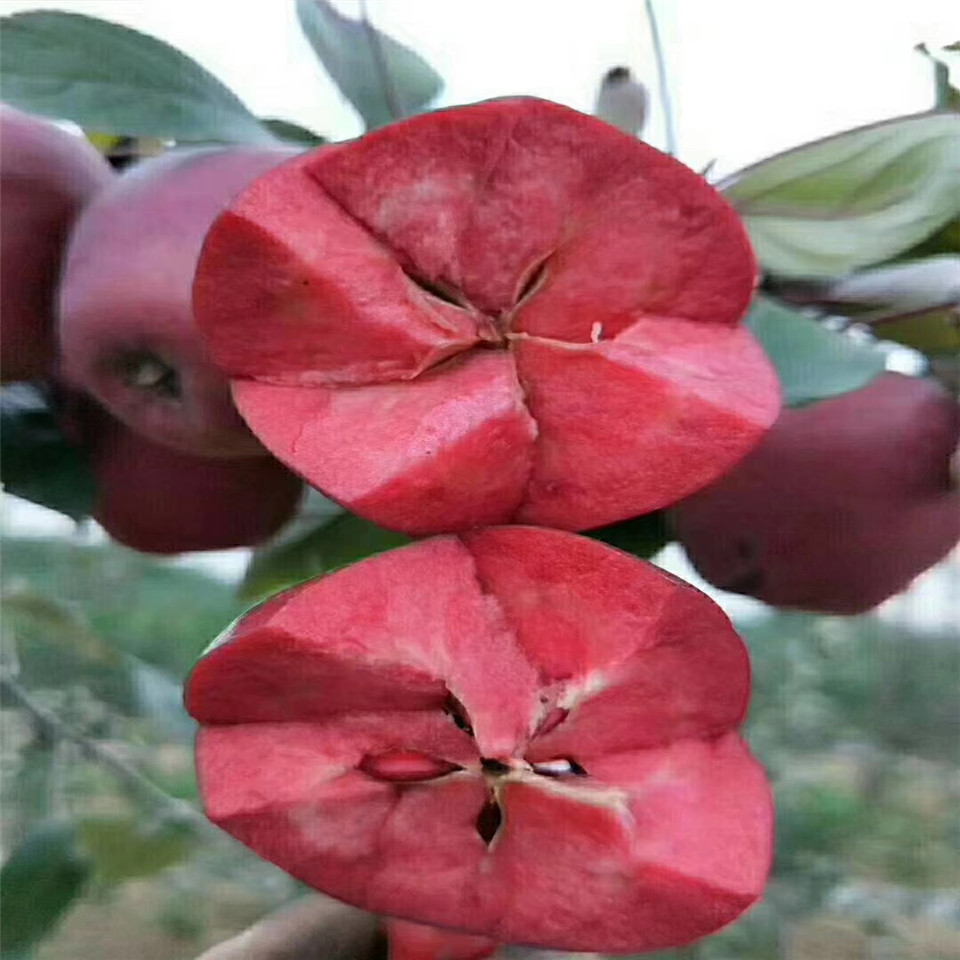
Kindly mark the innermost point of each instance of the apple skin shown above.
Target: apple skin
(126, 328)
(157, 500)
(839, 507)
(46, 176)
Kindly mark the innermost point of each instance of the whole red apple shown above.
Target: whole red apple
(126, 327)
(840, 506)
(155, 499)
(517, 733)
(46, 176)
(503, 312)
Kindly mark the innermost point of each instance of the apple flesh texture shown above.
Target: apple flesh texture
(506, 311)
(518, 733)
(126, 326)
(414, 941)
(46, 176)
(157, 500)
(840, 507)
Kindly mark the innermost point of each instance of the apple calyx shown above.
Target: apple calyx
(516, 312)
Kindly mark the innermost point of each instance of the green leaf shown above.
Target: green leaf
(382, 78)
(642, 536)
(38, 882)
(947, 95)
(334, 543)
(122, 848)
(291, 132)
(813, 363)
(36, 462)
(112, 79)
(935, 332)
(852, 200)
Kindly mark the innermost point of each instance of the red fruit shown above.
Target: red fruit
(46, 175)
(506, 311)
(841, 505)
(584, 703)
(414, 941)
(126, 326)
(157, 500)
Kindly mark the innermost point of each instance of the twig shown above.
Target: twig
(665, 101)
(56, 729)
(386, 81)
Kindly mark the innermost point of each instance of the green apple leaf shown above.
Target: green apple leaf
(39, 881)
(933, 332)
(383, 79)
(36, 461)
(112, 79)
(122, 847)
(332, 543)
(854, 199)
(642, 536)
(812, 361)
(293, 133)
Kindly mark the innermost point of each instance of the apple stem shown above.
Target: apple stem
(665, 100)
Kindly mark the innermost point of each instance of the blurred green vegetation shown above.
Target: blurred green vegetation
(855, 719)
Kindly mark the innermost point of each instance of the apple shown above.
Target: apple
(517, 733)
(157, 500)
(842, 504)
(414, 941)
(126, 327)
(46, 176)
(507, 311)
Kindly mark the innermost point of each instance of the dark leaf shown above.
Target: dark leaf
(382, 78)
(813, 362)
(38, 882)
(112, 79)
(334, 543)
(293, 132)
(642, 536)
(36, 461)
(852, 200)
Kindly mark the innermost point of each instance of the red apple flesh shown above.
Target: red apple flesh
(842, 504)
(126, 326)
(502, 312)
(46, 176)
(516, 733)
(414, 941)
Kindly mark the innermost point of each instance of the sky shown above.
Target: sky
(747, 78)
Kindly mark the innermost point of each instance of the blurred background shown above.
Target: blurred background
(856, 718)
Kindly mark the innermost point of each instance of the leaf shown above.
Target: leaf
(947, 95)
(851, 200)
(291, 132)
(112, 79)
(642, 536)
(38, 882)
(36, 462)
(122, 847)
(813, 362)
(934, 332)
(383, 79)
(334, 543)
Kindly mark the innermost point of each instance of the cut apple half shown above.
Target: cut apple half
(508, 311)
(516, 733)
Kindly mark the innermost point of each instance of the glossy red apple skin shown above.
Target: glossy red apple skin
(157, 500)
(414, 941)
(840, 507)
(515, 313)
(463, 731)
(46, 176)
(126, 327)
